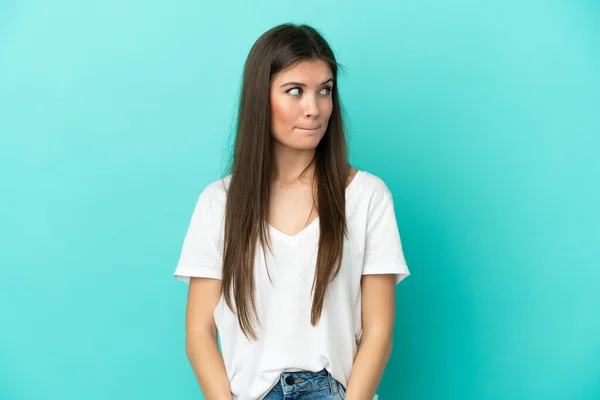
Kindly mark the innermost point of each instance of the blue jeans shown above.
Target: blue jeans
(306, 385)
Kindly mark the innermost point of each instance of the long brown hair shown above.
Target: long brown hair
(247, 209)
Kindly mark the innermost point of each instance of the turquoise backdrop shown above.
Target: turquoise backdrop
(483, 117)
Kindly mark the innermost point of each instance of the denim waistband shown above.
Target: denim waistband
(307, 380)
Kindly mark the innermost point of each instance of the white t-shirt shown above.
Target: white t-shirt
(287, 341)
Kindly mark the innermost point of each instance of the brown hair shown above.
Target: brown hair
(247, 207)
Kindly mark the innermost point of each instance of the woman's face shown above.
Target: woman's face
(301, 104)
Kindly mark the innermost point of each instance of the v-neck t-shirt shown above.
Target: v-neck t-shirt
(287, 341)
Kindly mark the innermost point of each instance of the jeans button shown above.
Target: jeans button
(290, 380)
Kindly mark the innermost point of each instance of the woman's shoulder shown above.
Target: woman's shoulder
(369, 185)
(215, 191)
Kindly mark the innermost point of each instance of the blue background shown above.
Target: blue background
(482, 118)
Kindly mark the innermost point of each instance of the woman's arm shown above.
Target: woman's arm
(201, 338)
(378, 311)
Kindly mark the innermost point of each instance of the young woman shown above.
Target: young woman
(293, 257)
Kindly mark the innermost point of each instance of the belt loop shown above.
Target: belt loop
(332, 383)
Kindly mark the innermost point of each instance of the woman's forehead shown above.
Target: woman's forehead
(309, 72)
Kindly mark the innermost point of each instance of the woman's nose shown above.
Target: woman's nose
(311, 107)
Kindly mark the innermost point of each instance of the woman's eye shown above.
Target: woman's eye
(291, 91)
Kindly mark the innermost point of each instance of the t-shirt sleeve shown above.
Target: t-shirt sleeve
(383, 248)
(201, 255)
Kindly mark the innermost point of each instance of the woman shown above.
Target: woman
(294, 256)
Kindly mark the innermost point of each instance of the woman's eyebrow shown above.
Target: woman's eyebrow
(304, 85)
